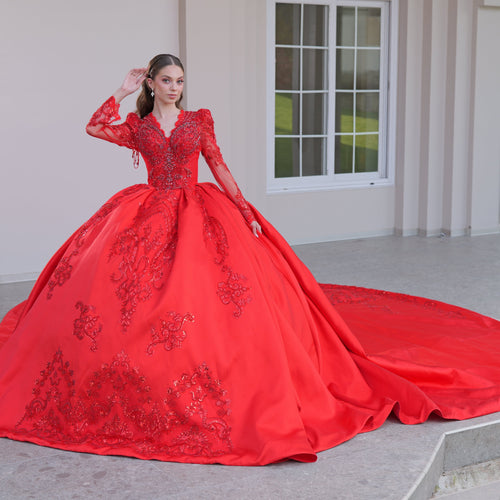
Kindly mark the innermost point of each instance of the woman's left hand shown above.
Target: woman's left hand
(256, 229)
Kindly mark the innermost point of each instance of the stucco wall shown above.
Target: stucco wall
(485, 173)
(60, 60)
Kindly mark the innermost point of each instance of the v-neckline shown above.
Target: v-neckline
(176, 124)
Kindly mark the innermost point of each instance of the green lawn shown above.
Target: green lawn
(366, 149)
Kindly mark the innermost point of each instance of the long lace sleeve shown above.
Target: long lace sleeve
(219, 169)
(100, 125)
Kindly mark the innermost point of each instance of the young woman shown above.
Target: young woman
(177, 324)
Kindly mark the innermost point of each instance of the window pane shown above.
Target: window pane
(314, 113)
(287, 24)
(315, 69)
(344, 103)
(345, 69)
(366, 153)
(313, 156)
(286, 157)
(315, 25)
(286, 118)
(343, 154)
(367, 111)
(368, 69)
(368, 27)
(345, 26)
(287, 69)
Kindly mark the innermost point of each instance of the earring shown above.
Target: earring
(152, 93)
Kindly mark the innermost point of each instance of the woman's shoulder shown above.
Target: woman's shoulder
(204, 115)
(133, 118)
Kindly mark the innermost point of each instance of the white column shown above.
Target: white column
(485, 158)
(433, 116)
(408, 116)
(458, 125)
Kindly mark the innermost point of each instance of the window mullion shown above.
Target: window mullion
(301, 73)
(332, 89)
(354, 95)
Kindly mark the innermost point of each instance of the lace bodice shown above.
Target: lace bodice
(172, 162)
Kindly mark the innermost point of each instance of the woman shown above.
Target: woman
(177, 324)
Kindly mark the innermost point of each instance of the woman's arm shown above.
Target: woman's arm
(100, 125)
(213, 156)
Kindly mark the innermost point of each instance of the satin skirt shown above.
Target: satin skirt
(163, 329)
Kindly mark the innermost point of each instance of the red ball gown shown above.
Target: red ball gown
(164, 329)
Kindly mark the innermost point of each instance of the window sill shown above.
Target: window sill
(348, 184)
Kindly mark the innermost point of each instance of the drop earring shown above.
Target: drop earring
(152, 93)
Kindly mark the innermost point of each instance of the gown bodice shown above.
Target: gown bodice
(171, 162)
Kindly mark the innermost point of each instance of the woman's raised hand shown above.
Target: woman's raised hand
(134, 79)
(132, 82)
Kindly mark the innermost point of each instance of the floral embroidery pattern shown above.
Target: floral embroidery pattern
(62, 273)
(116, 408)
(232, 291)
(143, 253)
(191, 392)
(380, 299)
(146, 251)
(87, 324)
(215, 233)
(166, 158)
(170, 332)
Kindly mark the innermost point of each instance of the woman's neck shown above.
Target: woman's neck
(163, 111)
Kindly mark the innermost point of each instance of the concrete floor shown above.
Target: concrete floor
(384, 464)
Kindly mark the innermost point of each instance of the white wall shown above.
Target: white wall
(227, 72)
(448, 153)
(485, 171)
(60, 60)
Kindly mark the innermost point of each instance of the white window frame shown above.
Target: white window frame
(387, 130)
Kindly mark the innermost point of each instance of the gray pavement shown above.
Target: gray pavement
(393, 462)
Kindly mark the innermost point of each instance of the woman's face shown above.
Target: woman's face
(168, 84)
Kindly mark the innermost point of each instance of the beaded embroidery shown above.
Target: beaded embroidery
(170, 332)
(380, 299)
(63, 270)
(146, 250)
(115, 408)
(231, 291)
(87, 325)
(147, 247)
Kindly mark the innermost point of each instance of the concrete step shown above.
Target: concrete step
(490, 491)
(465, 462)
(476, 480)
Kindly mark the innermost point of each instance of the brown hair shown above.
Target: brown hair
(145, 101)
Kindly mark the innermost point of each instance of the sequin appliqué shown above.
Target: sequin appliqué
(231, 291)
(87, 325)
(143, 253)
(116, 408)
(63, 270)
(170, 332)
(383, 300)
